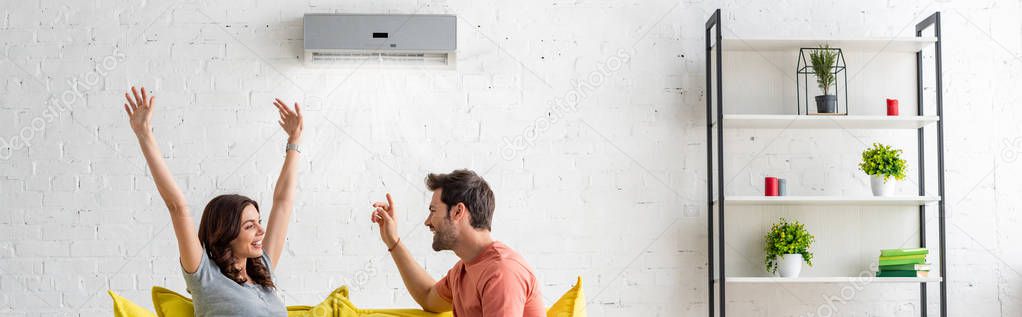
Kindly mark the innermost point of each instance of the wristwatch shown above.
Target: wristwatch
(292, 147)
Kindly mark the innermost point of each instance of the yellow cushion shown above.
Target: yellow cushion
(169, 303)
(126, 308)
(571, 304)
(293, 311)
(331, 306)
(337, 304)
(400, 313)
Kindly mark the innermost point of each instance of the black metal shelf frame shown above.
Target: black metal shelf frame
(715, 119)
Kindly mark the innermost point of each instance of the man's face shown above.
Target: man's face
(445, 233)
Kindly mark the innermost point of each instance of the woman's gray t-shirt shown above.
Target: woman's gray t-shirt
(214, 294)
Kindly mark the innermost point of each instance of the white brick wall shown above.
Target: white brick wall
(612, 190)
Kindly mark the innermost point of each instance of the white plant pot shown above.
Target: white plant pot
(880, 187)
(789, 265)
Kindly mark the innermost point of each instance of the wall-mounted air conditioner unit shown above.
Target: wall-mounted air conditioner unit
(388, 40)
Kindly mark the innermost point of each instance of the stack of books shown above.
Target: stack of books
(904, 263)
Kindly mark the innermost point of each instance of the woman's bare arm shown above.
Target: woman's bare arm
(140, 112)
(284, 193)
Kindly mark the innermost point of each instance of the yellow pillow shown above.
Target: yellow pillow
(169, 303)
(571, 304)
(126, 308)
(336, 305)
(293, 311)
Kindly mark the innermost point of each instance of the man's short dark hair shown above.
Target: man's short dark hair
(467, 187)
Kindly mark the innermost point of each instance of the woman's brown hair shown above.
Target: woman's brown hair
(221, 224)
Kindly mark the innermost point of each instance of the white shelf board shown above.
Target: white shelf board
(782, 121)
(837, 279)
(831, 200)
(890, 44)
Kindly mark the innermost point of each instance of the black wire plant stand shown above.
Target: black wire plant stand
(804, 70)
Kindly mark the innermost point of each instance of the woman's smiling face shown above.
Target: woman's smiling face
(249, 242)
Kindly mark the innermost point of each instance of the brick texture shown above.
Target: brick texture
(585, 116)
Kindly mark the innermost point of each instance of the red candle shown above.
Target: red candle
(770, 186)
(892, 107)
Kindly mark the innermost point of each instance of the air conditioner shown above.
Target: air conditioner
(381, 40)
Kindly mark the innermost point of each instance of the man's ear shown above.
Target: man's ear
(460, 211)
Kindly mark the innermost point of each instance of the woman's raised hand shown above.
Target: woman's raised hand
(285, 191)
(290, 120)
(140, 110)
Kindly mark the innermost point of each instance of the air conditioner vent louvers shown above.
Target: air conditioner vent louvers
(355, 40)
(392, 58)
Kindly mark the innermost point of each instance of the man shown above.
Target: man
(489, 280)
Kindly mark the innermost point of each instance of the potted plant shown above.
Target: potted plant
(881, 163)
(824, 58)
(787, 245)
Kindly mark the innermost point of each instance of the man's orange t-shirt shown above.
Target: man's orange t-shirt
(497, 282)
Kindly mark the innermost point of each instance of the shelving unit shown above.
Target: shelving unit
(835, 279)
(894, 44)
(717, 121)
(831, 200)
(774, 121)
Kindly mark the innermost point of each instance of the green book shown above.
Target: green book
(903, 274)
(906, 267)
(902, 261)
(903, 257)
(899, 252)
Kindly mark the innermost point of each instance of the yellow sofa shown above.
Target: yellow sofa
(171, 304)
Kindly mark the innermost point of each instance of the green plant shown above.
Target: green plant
(823, 59)
(787, 238)
(882, 160)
